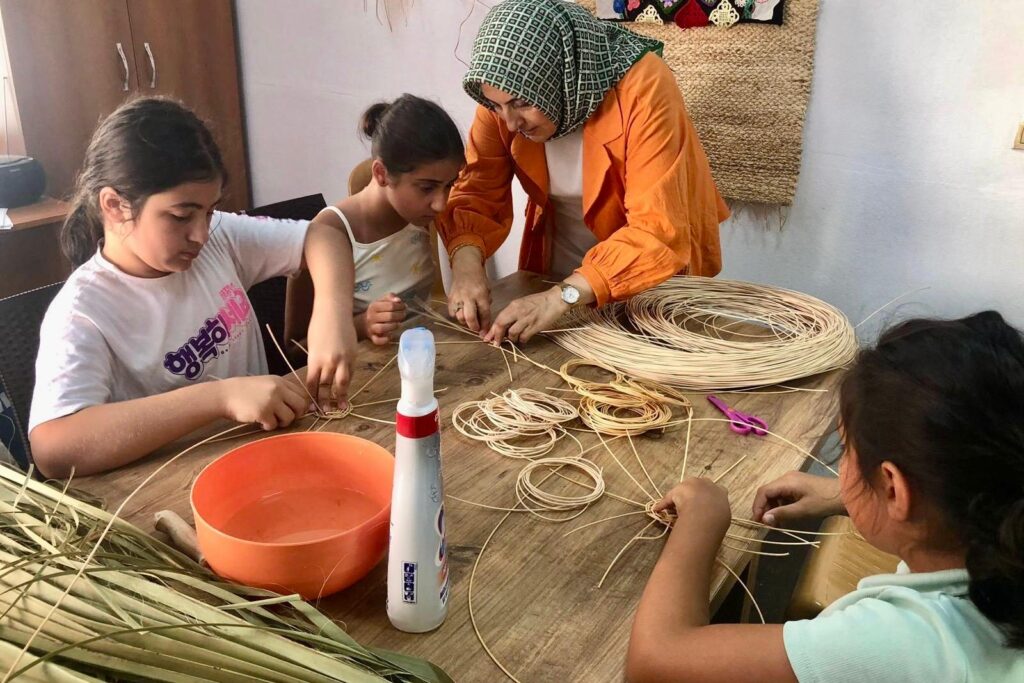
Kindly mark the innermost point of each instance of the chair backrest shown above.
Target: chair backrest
(20, 318)
(360, 176)
(358, 179)
(269, 298)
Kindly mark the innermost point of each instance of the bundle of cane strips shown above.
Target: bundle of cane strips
(622, 405)
(537, 404)
(535, 499)
(707, 334)
(617, 420)
(504, 422)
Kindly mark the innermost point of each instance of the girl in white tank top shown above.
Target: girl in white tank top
(418, 153)
(398, 264)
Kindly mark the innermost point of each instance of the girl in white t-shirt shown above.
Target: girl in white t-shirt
(153, 334)
(417, 155)
(932, 472)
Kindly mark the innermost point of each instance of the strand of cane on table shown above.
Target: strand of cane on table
(663, 519)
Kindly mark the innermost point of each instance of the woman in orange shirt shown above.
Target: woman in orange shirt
(590, 120)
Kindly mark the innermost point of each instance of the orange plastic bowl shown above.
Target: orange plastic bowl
(297, 513)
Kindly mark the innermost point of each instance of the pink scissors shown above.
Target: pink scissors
(740, 422)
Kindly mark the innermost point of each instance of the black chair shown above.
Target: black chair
(269, 297)
(20, 318)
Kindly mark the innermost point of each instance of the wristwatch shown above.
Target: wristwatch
(570, 294)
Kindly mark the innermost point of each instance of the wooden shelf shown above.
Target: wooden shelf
(30, 254)
(43, 212)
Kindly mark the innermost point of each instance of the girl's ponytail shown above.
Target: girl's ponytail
(82, 230)
(369, 124)
(995, 563)
(410, 132)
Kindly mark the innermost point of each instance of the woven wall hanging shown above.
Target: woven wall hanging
(746, 88)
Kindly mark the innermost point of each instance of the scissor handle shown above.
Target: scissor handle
(740, 422)
(756, 425)
(739, 426)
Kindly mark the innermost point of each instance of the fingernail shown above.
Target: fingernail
(769, 519)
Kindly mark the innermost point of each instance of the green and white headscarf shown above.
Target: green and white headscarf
(555, 55)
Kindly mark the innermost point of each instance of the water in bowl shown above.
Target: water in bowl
(301, 516)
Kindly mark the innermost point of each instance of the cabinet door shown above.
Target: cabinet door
(186, 49)
(31, 258)
(71, 63)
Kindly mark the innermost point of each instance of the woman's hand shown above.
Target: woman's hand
(381, 318)
(796, 495)
(268, 400)
(332, 348)
(526, 316)
(469, 300)
(698, 503)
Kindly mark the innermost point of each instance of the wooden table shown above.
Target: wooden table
(535, 594)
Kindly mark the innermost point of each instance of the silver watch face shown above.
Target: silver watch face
(570, 294)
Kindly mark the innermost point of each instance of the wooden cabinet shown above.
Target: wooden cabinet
(72, 62)
(29, 256)
(67, 72)
(186, 49)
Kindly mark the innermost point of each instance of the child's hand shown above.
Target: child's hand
(383, 317)
(332, 349)
(270, 400)
(796, 495)
(698, 499)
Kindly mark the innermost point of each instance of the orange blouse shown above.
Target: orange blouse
(664, 222)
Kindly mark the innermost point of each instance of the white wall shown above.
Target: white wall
(908, 179)
(311, 67)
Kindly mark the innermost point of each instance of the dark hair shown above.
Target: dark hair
(146, 146)
(410, 132)
(944, 401)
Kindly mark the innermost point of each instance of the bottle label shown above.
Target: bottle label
(409, 582)
(417, 427)
(441, 560)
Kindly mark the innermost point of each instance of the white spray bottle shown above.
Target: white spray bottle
(418, 555)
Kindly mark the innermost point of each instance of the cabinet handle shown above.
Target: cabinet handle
(152, 65)
(124, 64)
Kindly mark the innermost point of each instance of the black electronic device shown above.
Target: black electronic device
(22, 181)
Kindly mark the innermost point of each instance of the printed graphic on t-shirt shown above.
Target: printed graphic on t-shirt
(214, 337)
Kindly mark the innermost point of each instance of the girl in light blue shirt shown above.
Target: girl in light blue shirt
(933, 472)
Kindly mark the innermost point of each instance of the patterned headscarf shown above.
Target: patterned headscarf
(553, 54)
